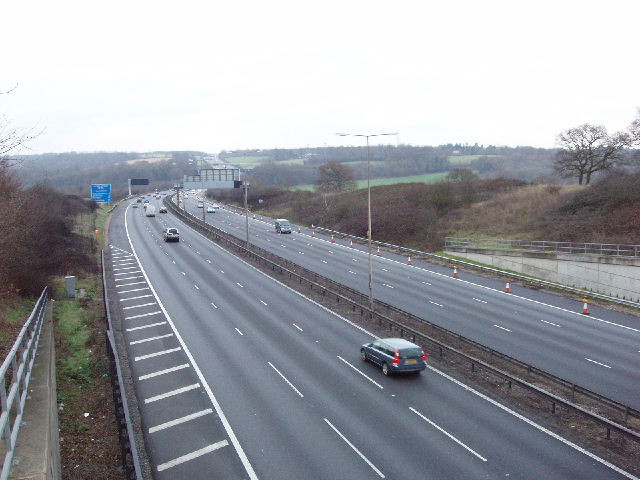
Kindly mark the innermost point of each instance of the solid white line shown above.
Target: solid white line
(362, 373)
(135, 298)
(172, 393)
(145, 326)
(180, 420)
(142, 315)
(134, 290)
(263, 302)
(214, 305)
(355, 449)
(502, 328)
(127, 284)
(239, 285)
(163, 372)
(234, 439)
(157, 354)
(150, 339)
(138, 306)
(533, 424)
(191, 456)
(447, 434)
(297, 327)
(597, 363)
(239, 332)
(128, 278)
(285, 379)
(197, 287)
(550, 323)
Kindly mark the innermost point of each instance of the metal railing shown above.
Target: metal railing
(574, 248)
(16, 373)
(402, 325)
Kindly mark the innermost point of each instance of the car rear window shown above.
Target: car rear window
(410, 353)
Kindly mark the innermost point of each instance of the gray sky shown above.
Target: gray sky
(143, 75)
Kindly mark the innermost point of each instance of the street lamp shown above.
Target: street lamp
(368, 204)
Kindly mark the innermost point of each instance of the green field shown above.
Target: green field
(426, 178)
(464, 159)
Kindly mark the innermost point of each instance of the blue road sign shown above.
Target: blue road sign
(101, 192)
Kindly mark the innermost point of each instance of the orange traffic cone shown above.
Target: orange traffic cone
(378, 254)
(351, 243)
(585, 307)
(455, 272)
(332, 240)
(409, 260)
(507, 288)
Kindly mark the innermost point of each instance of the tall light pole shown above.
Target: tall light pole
(368, 204)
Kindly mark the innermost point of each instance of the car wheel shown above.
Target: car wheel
(363, 356)
(385, 369)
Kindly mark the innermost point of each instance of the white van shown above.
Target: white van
(151, 211)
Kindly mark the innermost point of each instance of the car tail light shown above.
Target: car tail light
(424, 355)
(396, 359)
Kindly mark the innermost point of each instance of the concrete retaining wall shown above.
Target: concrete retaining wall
(615, 276)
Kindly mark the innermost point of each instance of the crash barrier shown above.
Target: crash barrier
(130, 459)
(443, 341)
(15, 373)
(573, 248)
(474, 266)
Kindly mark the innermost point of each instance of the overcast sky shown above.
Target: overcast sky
(144, 75)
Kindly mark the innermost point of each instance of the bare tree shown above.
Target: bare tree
(588, 149)
(335, 177)
(634, 129)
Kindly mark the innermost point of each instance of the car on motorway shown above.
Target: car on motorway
(135, 205)
(395, 355)
(283, 226)
(200, 204)
(139, 201)
(171, 235)
(162, 210)
(211, 209)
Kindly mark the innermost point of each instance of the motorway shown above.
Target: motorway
(237, 376)
(600, 351)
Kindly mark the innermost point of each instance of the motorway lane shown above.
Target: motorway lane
(287, 375)
(538, 328)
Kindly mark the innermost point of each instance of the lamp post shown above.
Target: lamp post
(368, 204)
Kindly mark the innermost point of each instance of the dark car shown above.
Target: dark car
(283, 226)
(395, 355)
(171, 235)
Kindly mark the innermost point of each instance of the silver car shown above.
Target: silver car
(395, 355)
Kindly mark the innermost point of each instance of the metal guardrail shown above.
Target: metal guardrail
(474, 266)
(130, 459)
(346, 295)
(15, 374)
(574, 248)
